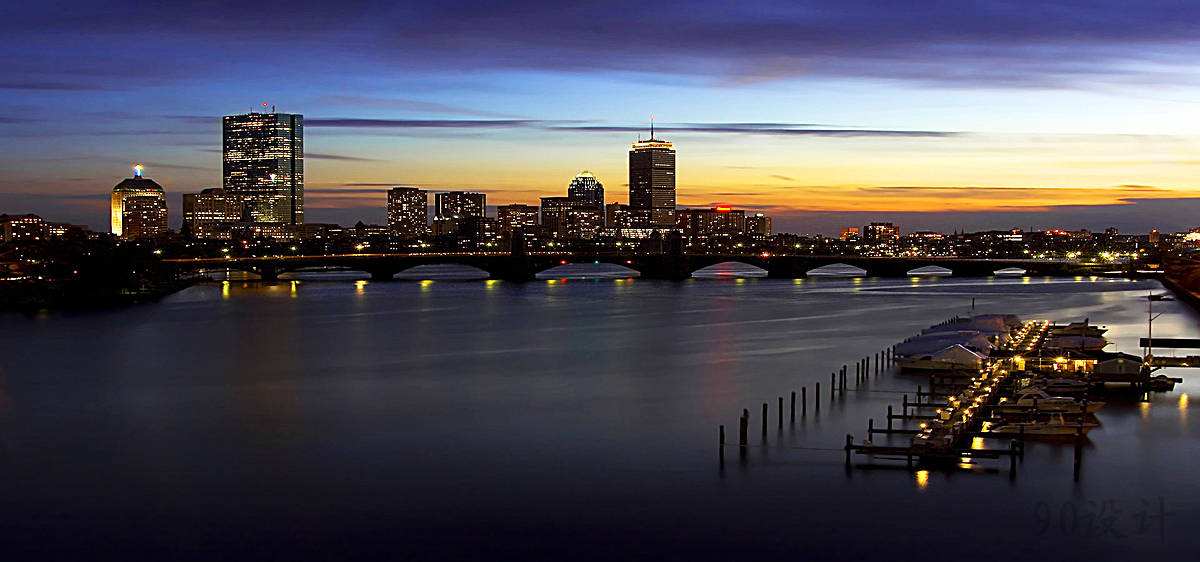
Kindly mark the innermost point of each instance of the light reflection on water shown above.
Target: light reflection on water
(543, 418)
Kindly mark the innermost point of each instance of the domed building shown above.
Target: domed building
(148, 210)
(586, 190)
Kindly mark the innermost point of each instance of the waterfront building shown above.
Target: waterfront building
(22, 227)
(587, 191)
(583, 223)
(554, 215)
(137, 186)
(263, 162)
(63, 229)
(652, 182)
(758, 224)
(880, 233)
(209, 214)
(849, 233)
(144, 216)
(516, 216)
(460, 204)
(408, 212)
(717, 221)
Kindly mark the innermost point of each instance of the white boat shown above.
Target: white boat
(1035, 398)
(1056, 425)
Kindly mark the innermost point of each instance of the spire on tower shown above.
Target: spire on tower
(651, 127)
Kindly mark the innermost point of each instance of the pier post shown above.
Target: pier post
(870, 427)
(904, 404)
(743, 429)
(866, 365)
(1012, 456)
(817, 398)
(764, 420)
(793, 406)
(780, 415)
(889, 417)
(849, 444)
(721, 448)
(1078, 450)
(803, 401)
(832, 385)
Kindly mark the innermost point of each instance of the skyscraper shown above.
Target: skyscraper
(460, 204)
(211, 213)
(408, 212)
(588, 191)
(652, 182)
(512, 217)
(137, 186)
(263, 162)
(144, 216)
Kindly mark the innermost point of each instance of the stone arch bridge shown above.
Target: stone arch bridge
(524, 266)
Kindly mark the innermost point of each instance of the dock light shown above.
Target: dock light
(923, 426)
(1060, 359)
(562, 262)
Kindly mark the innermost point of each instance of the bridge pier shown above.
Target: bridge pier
(267, 273)
(383, 274)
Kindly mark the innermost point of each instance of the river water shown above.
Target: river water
(575, 419)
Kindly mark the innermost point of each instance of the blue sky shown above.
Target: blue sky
(933, 114)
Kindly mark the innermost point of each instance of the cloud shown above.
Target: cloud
(967, 43)
(760, 129)
(410, 105)
(418, 123)
(48, 86)
(320, 156)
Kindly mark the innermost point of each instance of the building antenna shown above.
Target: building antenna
(651, 127)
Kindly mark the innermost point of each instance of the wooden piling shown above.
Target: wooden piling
(764, 420)
(780, 414)
(803, 401)
(870, 427)
(1012, 455)
(832, 385)
(743, 429)
(849, 444)
(889, 417)
(817, 398)
(793, 406)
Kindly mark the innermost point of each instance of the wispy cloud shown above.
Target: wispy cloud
(411, 105)
(321, 156)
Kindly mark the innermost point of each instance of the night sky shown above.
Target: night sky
(940, 115)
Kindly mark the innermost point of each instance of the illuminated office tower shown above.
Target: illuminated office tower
(460, 204)
(137, 186)
(144, 216)
(517, 215)
(210, 213)
(652, 182)
(263, 162)
(588, 191)
(758, 224)
(880, 233)
(554, 215)
(408, 212)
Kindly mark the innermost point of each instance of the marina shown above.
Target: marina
(994, 383)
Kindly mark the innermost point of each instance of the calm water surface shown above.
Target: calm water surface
(553, 419)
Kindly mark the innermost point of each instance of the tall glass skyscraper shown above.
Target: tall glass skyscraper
(652, 183)
(587, 191)
(263, 162)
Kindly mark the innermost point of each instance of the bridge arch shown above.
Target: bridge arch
(930, 271)
(730, 269)
(442, 272)
(596, 269)
(837, 270)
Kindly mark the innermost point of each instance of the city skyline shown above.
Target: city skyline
(1028, 117)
